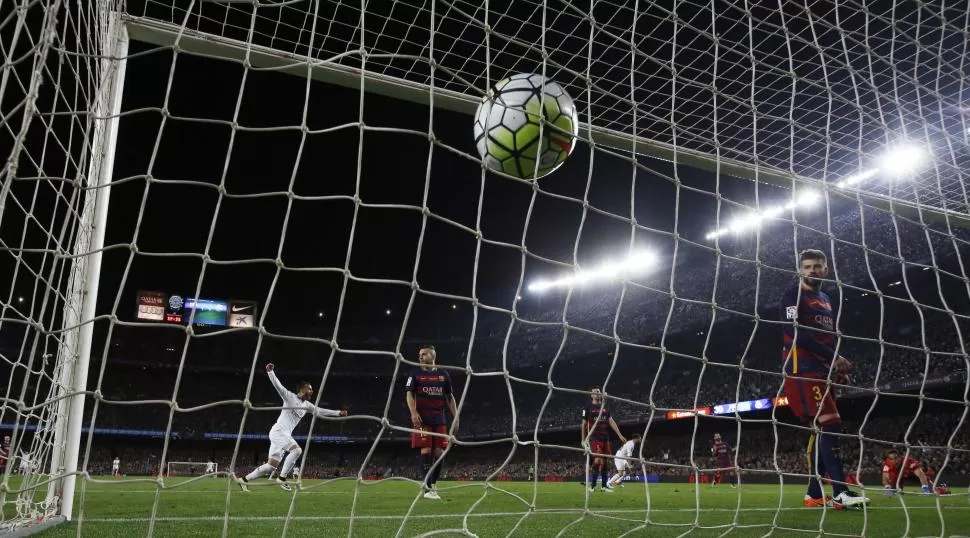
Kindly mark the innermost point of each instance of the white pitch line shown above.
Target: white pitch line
(552, 511)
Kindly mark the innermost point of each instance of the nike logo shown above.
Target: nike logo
(241, 308)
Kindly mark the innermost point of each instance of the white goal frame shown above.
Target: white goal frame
(75, 353)
(203, 464)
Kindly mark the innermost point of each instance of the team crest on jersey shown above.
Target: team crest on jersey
(791, 312)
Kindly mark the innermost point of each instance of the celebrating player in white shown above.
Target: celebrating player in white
(115, 466)
(281, 434)
(24, 462)
(624, 455)
(210, 467)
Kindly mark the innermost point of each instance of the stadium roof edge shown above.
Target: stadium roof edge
(213, 46)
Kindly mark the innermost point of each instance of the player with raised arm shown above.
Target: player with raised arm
(897, 468)
(595, 429)
(116, 467)
(281, 434)
(624, 460)
(428, 390)
(809, 355)
(722, 461)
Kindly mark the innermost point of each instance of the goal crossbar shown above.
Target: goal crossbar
(191, 41)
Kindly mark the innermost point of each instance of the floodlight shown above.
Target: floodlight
(903, 160)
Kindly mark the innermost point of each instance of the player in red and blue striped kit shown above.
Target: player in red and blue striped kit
(595, 430)
(809, 355)
(722, 461)
(428, 394)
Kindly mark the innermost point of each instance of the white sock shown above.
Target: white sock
(262, 470)
(614, 479)
(290, 461)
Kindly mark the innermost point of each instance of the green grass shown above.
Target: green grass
(123, 508)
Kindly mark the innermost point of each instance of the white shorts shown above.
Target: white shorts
(114, 467)
(279, 442)
(621, 464)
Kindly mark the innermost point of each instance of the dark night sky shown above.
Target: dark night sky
(262, 157)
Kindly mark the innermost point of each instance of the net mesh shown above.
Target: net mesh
(347, 206)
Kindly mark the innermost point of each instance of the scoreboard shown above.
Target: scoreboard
(178, 309)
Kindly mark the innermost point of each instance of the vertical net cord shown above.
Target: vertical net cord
(927, 351)
(304, 129)
(717, 271)
(791, 152)
(830, 387)
(675, 179)
(960, 264)
(25, 494)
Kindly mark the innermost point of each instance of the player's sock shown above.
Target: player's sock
(426, 461)
(829, 450)
(435, 474)
(614, 478)
(605, 476)
(814, 484)
(289, 462)
(591, 477)
(262, 470)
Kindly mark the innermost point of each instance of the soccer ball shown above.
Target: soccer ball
(507, 126)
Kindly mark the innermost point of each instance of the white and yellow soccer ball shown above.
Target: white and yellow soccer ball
(507, 122)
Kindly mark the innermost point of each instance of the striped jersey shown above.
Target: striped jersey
(721, 451)
(813, 349)
(431, 389)
(597, 419)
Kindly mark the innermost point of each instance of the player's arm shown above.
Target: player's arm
(583, 426)
(285, 394)
(412, 403)
(321, 412)
(450, 400)
(616, 430)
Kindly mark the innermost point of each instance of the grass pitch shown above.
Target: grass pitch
(216, 507)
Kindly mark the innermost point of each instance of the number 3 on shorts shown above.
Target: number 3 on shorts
(817, 391)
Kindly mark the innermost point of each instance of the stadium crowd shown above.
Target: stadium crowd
(653, 347)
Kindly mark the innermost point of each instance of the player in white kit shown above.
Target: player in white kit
(115, 467)
(210, 467)
(281, 434)
(624, 460)
(24, 462)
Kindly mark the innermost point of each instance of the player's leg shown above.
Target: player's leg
(272, 462)
(439, 444)
(923, 480)
(293, 455)
(620, 466)
(605, 468)
(829, 443)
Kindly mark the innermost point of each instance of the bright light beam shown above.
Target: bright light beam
(636, 263)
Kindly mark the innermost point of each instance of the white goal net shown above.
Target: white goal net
(192, 190)
(191, 468)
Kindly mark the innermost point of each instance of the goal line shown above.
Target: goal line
(191, 41)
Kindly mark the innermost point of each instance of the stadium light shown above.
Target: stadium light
(902, 160)
(636, 263)
(807, 199)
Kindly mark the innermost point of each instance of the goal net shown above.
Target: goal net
(191, 468)
(192, 190)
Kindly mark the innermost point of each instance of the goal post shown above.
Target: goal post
(191, 41)
(664, 376)
(86, 264)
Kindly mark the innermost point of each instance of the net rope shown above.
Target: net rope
(54, 263)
